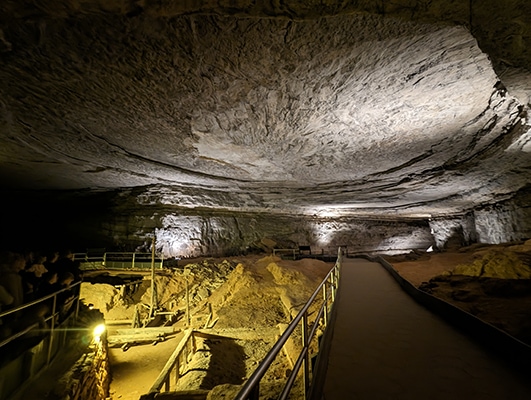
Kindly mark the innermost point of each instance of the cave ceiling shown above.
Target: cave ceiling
(408, 108)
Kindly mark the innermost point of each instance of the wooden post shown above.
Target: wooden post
(177, 373)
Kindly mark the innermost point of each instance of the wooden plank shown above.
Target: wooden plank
(163, 330)
(171, 362)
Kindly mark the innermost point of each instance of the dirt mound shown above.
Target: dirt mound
(108, 299)
(491, 282)
(521, 248)
(252, 300)
(497, 263)
(247, 300)
(265, 293)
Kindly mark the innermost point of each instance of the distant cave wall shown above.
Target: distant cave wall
(120, 223)
(186, 235)
(454, 231)
(505, 222)
(206, 232)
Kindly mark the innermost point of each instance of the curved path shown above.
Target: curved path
(387, 346)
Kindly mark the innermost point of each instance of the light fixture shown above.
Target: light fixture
(98, 331)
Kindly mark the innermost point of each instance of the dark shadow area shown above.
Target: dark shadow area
(226, 362)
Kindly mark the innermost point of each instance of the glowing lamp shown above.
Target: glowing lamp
(98, 331)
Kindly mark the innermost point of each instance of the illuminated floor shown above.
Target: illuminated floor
(386, 346)
(135, 371)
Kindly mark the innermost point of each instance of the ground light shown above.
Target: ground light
(98, 331)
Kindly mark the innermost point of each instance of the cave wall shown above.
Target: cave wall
(187, 235)
(503, 222)
(122, 222)
(453, 232)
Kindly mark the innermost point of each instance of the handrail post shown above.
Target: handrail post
(255, 394)
(306, 345)
(52, 327)
(333, 285)
(133, 261)
(76, 315)
(325, 300)
(104, 259)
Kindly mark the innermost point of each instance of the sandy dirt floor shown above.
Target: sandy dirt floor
(135, 370)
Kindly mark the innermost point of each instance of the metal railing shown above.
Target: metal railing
(293, 252)
(118, 260)
(178, 359)
(50, 318)
(51, 338)
(328, 253)
(251, 389)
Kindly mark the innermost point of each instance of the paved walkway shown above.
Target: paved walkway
(387, 346)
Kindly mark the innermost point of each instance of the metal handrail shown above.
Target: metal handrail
(53, 313)
(294, 252)
(109, 257)
(251, 389)
(39, 300)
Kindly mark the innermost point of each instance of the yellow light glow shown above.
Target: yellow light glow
(98, 330)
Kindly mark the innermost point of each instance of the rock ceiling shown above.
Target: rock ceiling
(321, 112)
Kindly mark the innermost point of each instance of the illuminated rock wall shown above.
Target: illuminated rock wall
(503, 222)
(218, 235)
(453, 231)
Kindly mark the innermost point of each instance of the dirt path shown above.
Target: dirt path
(135, 370)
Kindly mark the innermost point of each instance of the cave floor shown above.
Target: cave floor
(135, 370)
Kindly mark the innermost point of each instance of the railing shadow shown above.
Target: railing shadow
(226, 362)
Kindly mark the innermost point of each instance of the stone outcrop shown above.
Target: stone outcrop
(89, 378)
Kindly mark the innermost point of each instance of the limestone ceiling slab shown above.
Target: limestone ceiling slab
(348, 112)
